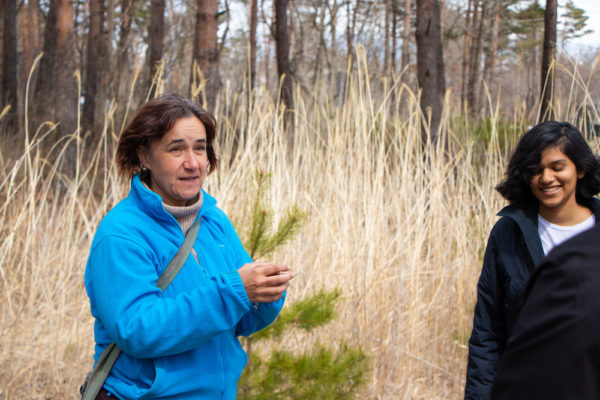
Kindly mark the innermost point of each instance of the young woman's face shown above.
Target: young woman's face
(178, 162)
(555, 180)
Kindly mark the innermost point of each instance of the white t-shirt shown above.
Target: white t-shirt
(552, 235)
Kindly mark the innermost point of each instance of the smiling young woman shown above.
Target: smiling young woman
(550, 184)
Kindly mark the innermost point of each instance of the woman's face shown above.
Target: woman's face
(178, 162)
(555, 181)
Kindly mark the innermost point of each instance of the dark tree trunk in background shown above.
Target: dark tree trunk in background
(465, 58)
(548, 56)
(406, 42)
(66, 95)
(252, 23)
(92, 75)
(387, 49)
(206, 54)
(121, 78)
(9, 62)
(494, 50)
(394, 36)
(44, 88)
(283, 51)
(31, 37)
(430, 64)
(351, 28)
(475, 56)
(156, 33)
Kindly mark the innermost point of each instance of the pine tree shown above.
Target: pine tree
(323, 373)
(574, 23)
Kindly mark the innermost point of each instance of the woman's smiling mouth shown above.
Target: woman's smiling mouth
(550, 189)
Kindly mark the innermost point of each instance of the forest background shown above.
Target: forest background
(391, 145)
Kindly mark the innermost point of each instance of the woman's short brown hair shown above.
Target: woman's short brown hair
(152, 121)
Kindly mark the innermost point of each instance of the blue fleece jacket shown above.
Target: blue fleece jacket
(181, 344)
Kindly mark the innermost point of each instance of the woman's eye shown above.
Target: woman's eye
(176, 149)
(200, 148)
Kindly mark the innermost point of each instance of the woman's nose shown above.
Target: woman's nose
(190, 161)
(546, 176)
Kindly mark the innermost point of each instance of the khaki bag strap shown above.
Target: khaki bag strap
(97, 377)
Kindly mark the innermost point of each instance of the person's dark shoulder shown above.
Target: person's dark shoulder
(585, 245)
(504, 226)
(577, 259)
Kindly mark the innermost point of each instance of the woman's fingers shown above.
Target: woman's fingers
(269, 269)
(271, 293)
(265, 282)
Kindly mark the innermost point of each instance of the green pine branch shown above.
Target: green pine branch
(307, 314)
(323, 373)
(260, 242)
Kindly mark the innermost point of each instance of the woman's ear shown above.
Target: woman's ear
(580, 173)
(142, 153)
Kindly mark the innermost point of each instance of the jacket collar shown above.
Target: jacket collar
(526, 219)
(151, 203)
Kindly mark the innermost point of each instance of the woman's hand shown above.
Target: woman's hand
(265, 282)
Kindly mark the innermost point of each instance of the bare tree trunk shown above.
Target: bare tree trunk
(475, 55)
(406, 42)
(31, 36)
(92, 75)
(252, 24)
(9, 62)
(319, 26)
(495, 32)
(106, 57)
(548, 56)
(351, 28)
(66, 96)
(283, 49)
(430, 65)
(156, 33)
(465, 59)
(206, 54)
(394, 36)
(44, 88)
(1, 42)
(476, 72)
(386, 56)
(127, 9)
(267, 40)
(333, 12)
(532, 69)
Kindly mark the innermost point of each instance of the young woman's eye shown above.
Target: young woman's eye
(176, 149)
(201, 148)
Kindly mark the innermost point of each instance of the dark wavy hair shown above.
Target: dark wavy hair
(152, 121)
(525, 160)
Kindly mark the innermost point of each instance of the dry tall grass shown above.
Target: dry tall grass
(400, 229)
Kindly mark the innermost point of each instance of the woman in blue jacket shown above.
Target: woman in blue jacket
(181, 344)
(550, 184)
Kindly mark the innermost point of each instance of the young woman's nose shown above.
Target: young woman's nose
(546, 176)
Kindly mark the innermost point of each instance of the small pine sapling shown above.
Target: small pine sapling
(322, 373)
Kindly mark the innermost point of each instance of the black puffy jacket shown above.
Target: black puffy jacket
(513, 250)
